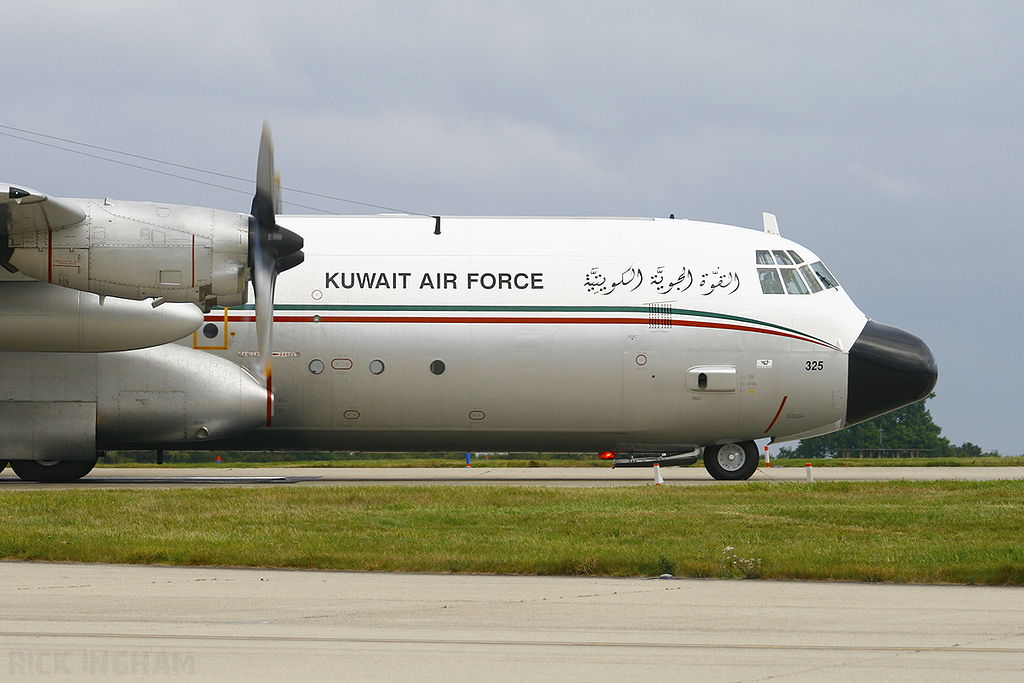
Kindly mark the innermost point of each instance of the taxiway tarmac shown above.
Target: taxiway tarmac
(102, 622)
(168, 476)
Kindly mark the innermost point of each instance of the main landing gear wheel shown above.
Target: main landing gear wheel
(731, 461)
(52, 471)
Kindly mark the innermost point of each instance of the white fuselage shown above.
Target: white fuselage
(631, 336)
(624, 335)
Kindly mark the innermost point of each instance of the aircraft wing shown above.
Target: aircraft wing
(25, 211)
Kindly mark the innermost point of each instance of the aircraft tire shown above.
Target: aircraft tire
(52, 471)
(731, 461)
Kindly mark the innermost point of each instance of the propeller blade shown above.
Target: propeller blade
(263, 285)
(272, 249)
(263, 202)
(261, 258)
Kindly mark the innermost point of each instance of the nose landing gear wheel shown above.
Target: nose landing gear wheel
(731, 461)
(52, 471)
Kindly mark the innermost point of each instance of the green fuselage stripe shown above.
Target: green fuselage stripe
(404, 310)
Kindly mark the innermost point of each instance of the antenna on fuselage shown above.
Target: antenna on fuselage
(771, 226)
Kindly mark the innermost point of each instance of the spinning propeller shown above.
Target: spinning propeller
(272, 249)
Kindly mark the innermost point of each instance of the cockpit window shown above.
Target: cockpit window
(790, 274)
(812, 281)
(770, 283)
(782, 258)
(793, 274)
(794, 283)
(825, 276)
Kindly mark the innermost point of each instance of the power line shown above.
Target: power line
(178, 176)
(115, 161)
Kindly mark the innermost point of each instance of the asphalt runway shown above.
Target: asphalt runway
(168, 476)
(105, 622)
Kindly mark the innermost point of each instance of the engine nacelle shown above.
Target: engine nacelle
(37, 316)
(63, 406)
(139, 250)
(173, 394)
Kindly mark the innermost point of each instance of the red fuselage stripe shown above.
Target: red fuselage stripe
(509, 320)
(779, 412)
(49, 246)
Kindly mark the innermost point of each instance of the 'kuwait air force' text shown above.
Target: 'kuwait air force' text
(385, 280)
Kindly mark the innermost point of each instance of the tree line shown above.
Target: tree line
(907, 428)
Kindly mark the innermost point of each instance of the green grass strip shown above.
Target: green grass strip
(923, 532)
(984, 461)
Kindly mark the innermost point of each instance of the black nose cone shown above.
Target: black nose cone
(889, 368)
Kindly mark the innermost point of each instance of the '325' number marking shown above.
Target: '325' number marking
(815, 365)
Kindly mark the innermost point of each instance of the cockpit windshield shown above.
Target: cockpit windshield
(785, 272)
(782, 258)
(812, 281)
(794, 283)
(826, 277)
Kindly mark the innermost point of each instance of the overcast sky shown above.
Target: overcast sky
(887, 137)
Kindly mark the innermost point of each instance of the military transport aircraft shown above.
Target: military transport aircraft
(127, 325)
